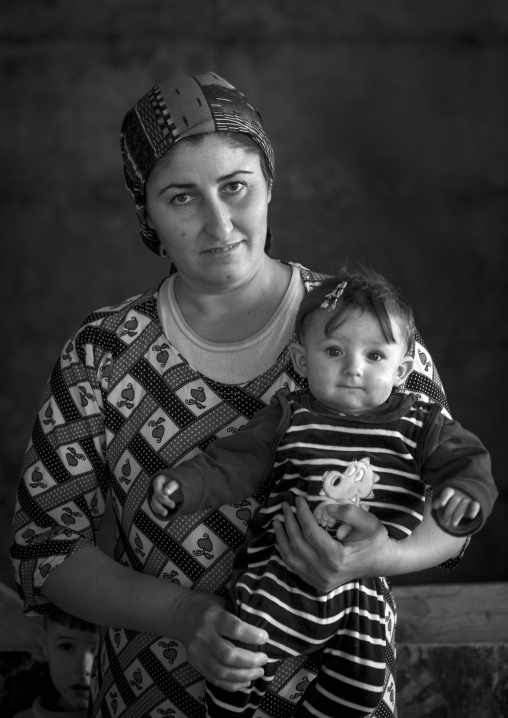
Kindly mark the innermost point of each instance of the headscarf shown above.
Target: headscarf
(170, 112)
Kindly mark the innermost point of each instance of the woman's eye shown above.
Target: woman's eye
(182, 198)
(234, 187)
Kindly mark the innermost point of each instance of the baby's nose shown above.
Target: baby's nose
(353, 365)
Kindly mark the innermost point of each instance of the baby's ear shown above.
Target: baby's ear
(404, 369)
(298, 358)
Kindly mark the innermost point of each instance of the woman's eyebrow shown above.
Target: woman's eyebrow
(175, 185)
(190, 185)
(236, 172)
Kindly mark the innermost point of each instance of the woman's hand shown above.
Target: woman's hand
(326, 563)
(210, 633)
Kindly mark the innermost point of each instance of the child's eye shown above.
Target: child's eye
(66, 647)
(333, 351)
(375, 356)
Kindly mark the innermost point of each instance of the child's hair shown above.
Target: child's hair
(365, 291)
(66, 619)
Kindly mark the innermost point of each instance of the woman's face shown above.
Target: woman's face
(208, 203)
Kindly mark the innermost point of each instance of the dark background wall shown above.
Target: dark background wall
(389, 121)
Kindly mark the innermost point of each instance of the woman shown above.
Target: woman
(148, 383)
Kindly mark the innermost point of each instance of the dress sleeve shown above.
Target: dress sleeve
(62, 491)
(424, 381)
(232, 468)
(456, 458)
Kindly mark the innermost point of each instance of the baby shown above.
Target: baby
(354, 437)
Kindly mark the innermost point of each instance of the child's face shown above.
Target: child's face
(70, 653)
(354, 369)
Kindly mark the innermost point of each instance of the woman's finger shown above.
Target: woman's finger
(284, 546)
(363, 523)
(213, 652)
(233, 628)
(300, 550)
(316, 561)
(310, 529)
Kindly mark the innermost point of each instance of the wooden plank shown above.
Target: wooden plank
(452, 681)
(452, 613)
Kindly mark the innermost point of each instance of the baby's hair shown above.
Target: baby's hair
(67, 619)
(366, 291)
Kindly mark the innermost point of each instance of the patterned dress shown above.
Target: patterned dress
(121, 404)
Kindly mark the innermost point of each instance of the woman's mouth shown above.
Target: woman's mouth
(223, 250)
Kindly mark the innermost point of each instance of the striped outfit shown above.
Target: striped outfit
(350, 623)
(352, 626)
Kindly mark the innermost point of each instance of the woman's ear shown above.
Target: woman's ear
(404, 369)
(298, 358)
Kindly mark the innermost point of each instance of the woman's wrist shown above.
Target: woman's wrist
(187, 608)
(94, 587)
(395, 559)
(415, 553)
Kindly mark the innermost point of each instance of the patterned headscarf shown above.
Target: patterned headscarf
(176, 109)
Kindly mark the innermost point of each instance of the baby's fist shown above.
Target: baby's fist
(453, 505)
(163, 489)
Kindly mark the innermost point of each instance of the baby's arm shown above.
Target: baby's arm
(458, 467)
(231, 469)
(453, 505)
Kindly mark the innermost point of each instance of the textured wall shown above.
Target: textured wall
(388, 120)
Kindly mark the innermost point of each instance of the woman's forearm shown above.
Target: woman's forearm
(365, 552)
(427, 547)
(92, 586)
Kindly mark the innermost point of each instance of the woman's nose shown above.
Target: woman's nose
(218, 224)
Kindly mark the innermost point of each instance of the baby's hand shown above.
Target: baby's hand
(163, 489)
(454, 505)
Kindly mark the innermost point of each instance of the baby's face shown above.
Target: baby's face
(70, 653)
(354, 368)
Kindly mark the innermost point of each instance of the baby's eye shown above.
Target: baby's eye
(333, 351)
(375, 356)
